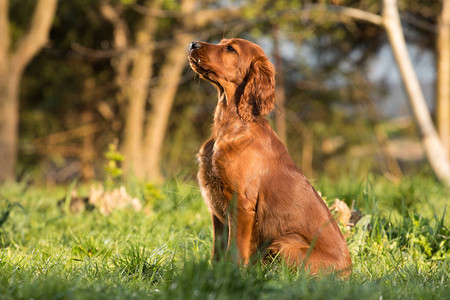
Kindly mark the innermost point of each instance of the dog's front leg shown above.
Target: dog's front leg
(241, 222)
(220, 238)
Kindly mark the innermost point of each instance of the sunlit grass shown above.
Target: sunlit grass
(398, 251)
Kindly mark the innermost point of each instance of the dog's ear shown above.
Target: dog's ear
(258, 97)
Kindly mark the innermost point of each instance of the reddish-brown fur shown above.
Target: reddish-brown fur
(259, 200)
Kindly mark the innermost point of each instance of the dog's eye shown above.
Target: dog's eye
(230, 49)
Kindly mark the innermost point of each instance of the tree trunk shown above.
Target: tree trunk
(12, 65)
(5, 40)
(136, 92)
(280, 110)
(443, 75)
(434, 148)
(121, 41)
(162, 96)
(9, 94)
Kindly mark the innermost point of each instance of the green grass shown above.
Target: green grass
(400, 250)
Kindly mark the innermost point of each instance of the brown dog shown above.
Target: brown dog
(259, 200)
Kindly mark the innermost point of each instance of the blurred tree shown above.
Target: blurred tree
(14, 57)
(443, 75)
(163, 94)
(280, 108)
(145, 132)
(434, 147)
(67, 92)
(133, 86)
(192, 18)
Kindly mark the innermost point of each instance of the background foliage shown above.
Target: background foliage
(330, 97)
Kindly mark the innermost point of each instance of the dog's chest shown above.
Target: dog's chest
(211, 185)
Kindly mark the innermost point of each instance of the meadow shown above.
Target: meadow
(400, 248)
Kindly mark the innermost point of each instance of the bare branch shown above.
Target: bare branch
(418, 23)
(121, 40)
(96, 53)
(349, 12)
(155, 12)
(64, 136)
(204, 17)
(37, 35)
(121, 30)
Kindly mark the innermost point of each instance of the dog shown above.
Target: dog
(259, 201)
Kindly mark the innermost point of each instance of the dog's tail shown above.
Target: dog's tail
(294, 249)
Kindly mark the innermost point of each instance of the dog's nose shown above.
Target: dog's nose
(195, 45)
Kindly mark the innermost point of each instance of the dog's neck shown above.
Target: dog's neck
(226, 114)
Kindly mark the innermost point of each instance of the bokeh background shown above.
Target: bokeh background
(90, 89)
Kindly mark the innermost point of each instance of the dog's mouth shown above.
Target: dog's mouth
(204, 73)
(195, 65)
